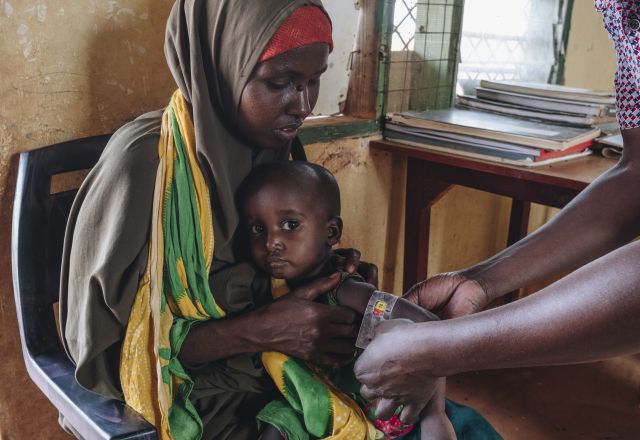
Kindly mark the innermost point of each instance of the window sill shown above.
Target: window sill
(329, 128)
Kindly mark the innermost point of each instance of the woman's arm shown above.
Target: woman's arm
(294, 325)
(591, 314)
(603, 217)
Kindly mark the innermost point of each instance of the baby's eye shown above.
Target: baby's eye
(290, 225)
(256, 229)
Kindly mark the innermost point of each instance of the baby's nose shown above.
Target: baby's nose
(273, 243)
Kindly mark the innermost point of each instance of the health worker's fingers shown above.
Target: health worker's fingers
(386, 408)
(368, 393)
(410, 413)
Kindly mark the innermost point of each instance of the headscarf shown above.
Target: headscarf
(211, 49)
(306, 25)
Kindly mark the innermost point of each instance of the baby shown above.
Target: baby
(292, 214)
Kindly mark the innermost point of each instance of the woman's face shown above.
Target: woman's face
(280, 94)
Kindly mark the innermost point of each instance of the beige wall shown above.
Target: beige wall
(591, 60)
(73, 68)
(69, 69)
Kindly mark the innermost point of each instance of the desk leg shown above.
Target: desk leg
(519, 220)
(422, 193)
(518, 228)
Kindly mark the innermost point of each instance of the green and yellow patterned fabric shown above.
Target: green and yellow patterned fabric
(174, 291)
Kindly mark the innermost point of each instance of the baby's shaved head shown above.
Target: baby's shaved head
(304, 177)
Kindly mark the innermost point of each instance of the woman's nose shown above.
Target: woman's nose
(300, 105)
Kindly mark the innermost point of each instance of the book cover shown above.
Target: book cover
(445, 138)
(490, 158)
(497, 127)
(551, 91)
(480, 146)
(610, 146)
(472, 102)
(549, 104)
(613, 140)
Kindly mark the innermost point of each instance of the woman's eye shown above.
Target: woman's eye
(290, 225)
(279, 85)
(256, 229)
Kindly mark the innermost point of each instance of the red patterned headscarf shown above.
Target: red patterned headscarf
(306, 25)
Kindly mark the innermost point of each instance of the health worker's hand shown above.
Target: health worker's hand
(388, 373)
(299, 327)
(449, 295)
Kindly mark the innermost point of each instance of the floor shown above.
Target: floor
(587, 402)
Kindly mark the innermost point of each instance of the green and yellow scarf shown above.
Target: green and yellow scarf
(174, 292)
(313, 405)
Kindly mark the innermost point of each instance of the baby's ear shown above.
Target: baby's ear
(334, 229)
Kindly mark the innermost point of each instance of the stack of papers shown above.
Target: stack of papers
(490, 136)
(543, 102)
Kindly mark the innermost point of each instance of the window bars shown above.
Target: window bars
(498, 39)
(424, 53)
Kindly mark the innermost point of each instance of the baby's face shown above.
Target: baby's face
(289, 237)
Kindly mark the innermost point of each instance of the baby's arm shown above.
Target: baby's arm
(355, 295)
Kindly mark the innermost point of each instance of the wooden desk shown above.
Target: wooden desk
(430, 174)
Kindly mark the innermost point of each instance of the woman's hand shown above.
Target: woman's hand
(348, 260)
(450, 295)
(387, 372)
(297, 326)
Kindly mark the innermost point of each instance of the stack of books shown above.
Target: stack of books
(543, 102)
(490, 136)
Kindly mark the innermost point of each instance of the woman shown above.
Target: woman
(153, 256)
(592, 313)
(247, 78)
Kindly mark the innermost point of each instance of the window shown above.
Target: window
(518, 40)
(493, 39)
(335, 81)
(424, 52)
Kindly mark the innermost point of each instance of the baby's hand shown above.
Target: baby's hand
(348, 260)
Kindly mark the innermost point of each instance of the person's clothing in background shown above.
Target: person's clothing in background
(622, 21)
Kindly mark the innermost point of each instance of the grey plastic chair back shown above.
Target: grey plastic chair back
(39, 219)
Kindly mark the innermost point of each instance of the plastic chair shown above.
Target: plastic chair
(39, 220)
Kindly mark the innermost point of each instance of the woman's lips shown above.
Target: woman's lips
(287, 133)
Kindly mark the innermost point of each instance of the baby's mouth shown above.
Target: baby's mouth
(275, 260)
